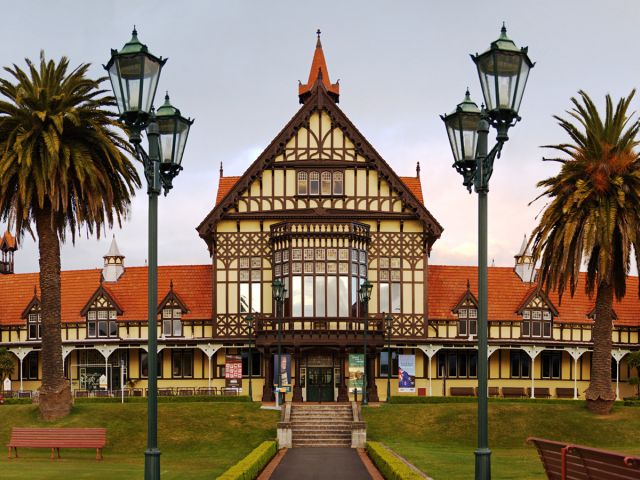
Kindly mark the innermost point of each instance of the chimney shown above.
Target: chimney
(113, 263)
(525, 268)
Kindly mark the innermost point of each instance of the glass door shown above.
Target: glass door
(320, 384)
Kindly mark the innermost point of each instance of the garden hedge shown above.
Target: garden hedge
(391, 467)
(250, 466)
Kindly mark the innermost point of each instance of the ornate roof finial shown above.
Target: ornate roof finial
(417, 169)
(318, 44)
(221, 170)
(320, 72)
(35, 290)
(171, 284)
(468, 285)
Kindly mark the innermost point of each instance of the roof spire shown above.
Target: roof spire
(417, 169)
(318, 75)
(221, 170)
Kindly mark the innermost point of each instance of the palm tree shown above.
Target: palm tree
(593, 219)
(63, 168)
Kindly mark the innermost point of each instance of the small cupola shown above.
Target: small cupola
(113, 263)
(8, 245)
(525, 269)
(318, 75)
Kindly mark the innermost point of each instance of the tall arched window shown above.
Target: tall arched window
(338, 183)
(302, 183)
(314, 183)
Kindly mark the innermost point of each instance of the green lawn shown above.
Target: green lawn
(197, 440)
(440, 438)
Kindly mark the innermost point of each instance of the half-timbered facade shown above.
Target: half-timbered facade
(321, 211)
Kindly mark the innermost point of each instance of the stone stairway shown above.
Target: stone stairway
(327, 425)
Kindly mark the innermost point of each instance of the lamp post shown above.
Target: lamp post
(279, 293)
(134, 74)
(249, 320)
(365, 296)
(388, 323)
(503, 72)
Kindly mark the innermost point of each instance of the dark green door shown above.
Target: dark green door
(320, 384)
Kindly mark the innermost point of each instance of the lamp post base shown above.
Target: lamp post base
(483, 464)
(152, 464)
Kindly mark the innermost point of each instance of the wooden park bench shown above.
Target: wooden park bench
(562, 461)
(462, 391)
(57, 438)
(564, 392)
(540, 392)
(513, 392)
(494, 391)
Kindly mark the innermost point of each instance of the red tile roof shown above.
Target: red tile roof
(507, 292)
(191, 282)
(414, 185)
(225, 186)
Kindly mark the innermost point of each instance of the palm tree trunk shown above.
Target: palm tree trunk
(55, 394)
(600, 396)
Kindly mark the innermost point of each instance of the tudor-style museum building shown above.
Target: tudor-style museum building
(322, 213)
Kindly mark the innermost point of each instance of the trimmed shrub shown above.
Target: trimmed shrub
(391, 467)
(250, 466)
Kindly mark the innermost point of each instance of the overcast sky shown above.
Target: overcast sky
(234, 66)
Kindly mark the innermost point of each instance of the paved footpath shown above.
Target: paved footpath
(320, 464)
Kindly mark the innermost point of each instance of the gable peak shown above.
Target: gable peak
(318, 76)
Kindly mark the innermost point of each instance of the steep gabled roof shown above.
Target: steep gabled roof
(173, 295)
(320, 101)
(535, 292)
(101, 291)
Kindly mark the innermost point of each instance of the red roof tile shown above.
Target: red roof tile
(191, 282)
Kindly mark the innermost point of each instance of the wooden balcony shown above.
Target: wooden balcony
(320, 331)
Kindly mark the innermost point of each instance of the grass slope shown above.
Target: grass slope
(197, 440)
(440, 438)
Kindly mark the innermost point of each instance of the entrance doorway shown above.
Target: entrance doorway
(319, 384)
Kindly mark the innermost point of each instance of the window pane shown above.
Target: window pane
(177, 328)
(255, 297)
(314, 183)
(395, 298)
(166, 327)
(515, 364)
(526, 326)
(546, 329)
(473, 365)
(302, 183)
(546, 367)
(525, 363)
(308, 296)
(453, 364)
(384, 363)
(187, 363)
(320, 311)
(177, 364)
(384, 297)
(332, 297)
(337, 183)
(33, 331)
(326, 183)
(556, 366)
(462, 313)
(296, 297)
(102, 328)
(344, 297)
(355, 297)
(473, 327)
(462, 365)
(244, 297)
(92, 329)
(536, 329)
(113, 328)
(462, 327)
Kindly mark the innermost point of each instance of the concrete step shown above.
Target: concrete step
(325, 445)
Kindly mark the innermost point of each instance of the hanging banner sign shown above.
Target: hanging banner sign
(283, 371)
(406, 373)
(233, 372)
(356, 372)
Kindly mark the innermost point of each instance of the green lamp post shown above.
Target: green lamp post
(249, 320)
(503, 72)
(365, 296)
(279, 292)
(134, 75)
(388, 323)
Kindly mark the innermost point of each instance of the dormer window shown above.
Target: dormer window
(467, 312)
(172, 321)
(101, 313)
(537, 316)
(34, 324)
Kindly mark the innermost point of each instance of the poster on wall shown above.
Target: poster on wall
(233, 372)
(283, 370)
(356, 372)
(406, 373)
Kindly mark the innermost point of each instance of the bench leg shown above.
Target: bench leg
(53, 454)
(98, 454)
(58, 449)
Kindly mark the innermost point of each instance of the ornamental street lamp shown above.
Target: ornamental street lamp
(249, 320)
(503, 72)
(279, 293)
(365, 296)
(134, 74)
(388, 323)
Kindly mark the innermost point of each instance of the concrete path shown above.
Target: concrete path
(321, 464)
